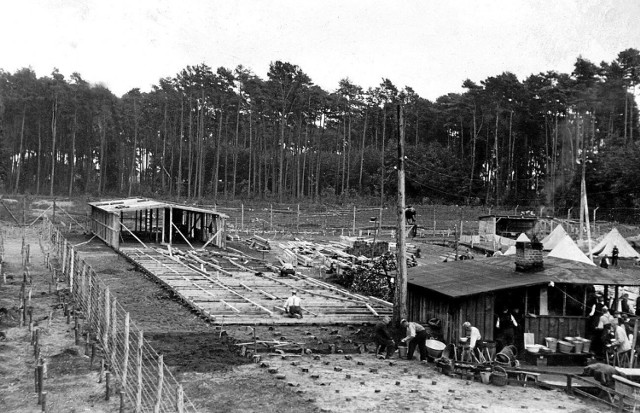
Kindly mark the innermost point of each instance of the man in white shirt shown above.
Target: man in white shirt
(621, 339)
(292, 306)
(416, 336)
(472, 334)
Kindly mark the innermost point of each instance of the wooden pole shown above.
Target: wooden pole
(105, 325)
(107, 385)
(125, 362)
(400, 297)
(241, 216)
(633, 343)
(139, 372)
(156, 408)
(180, 401)
(112, 338)
(353, 229)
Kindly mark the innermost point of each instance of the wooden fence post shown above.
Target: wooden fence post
(64, 257)
(72, 254)
(125, 362)
(139, 372)
(156, 408)
(105, 325)
(180, 401)
(112, 338)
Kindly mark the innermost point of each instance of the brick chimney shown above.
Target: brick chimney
(528, 254)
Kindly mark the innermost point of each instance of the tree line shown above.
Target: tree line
(229, 134)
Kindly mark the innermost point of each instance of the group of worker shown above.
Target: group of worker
(416, 337)
(610, 328)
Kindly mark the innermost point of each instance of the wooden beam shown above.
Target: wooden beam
(134, 235)
(182, 235)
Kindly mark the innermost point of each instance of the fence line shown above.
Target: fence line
(146, 381)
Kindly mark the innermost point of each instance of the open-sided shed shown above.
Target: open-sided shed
(148, 220)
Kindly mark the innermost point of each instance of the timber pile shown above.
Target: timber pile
(243, 296)
(309, 254)
(258, 243)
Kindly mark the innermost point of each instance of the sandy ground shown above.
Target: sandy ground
(361, 383)
(72, 385)
(215, 377)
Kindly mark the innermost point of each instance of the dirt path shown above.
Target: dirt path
(72, 385)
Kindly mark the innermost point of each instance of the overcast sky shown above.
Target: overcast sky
(428, 45)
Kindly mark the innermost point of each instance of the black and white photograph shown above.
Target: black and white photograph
(319, 206)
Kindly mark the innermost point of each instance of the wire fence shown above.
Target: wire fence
(434, 220)
(146, 381)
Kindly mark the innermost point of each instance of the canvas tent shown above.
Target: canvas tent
(568, 250)
(613, 238)
(554, 237)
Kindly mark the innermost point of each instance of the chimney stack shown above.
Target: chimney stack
(528, 254)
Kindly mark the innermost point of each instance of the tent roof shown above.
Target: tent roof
(523, 238)
(568, 250)
(138, 204)
(555, 236)
(470, 277)
(613, 238)
(511, 250)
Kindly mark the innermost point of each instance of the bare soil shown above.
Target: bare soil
(214, 376)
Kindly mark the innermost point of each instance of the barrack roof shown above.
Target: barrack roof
(138, 204)
(469, 277)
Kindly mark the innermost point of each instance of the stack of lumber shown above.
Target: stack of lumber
(258, 243)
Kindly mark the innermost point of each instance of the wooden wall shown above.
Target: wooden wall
(555, 326)
(105, 226)
(423, 304)
(479, 311)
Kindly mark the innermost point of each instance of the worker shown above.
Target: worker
(605, 318)
(621, 339)
(472, 334)
(287, 269)
(624, 304)
(292, 306)
(416, 336)
(498, 253)
(410, 215)
(614, 256)
(383, 337)
(506, 324)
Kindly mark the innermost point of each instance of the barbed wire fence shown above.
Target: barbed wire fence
(147, 383)
(434, 220)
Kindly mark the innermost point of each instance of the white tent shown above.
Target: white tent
(613, 238)
(523, 238)
(511, 250)
(554, 237)
(568, 250)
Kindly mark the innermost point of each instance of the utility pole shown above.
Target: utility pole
(400, 296)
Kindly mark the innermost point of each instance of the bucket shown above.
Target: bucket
(485, 377)
(565, 346)
(402, 352)
(577, 345)
(586, 345)
(552, 343)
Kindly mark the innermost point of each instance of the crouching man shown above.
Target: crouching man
(292, 307)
